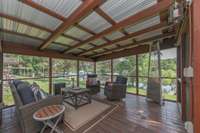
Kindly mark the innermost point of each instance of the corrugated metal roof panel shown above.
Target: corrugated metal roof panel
(99, 50)
(19, 39)
(95, 23)
(148, 35)
(56, 47)
(62, 7)
(76, 51)
(128, 41)
(87, 46)
(24, 29)
(121, 9)
(98, 42)
(66, 41)
(76, 32)
(143, 25)
(111, 47)
(22, 11)
(114, 35)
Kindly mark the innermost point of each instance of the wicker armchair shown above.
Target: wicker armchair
(117, 89)
(93, 87)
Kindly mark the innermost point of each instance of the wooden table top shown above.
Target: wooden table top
(48, 112)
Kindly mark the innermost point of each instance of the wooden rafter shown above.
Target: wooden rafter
(15, 19)
(32, 37)
(152, 28)
(145, 41)
(85, 29)
(161, 6)
(15, 48)
(43, 9)
(85, 8)
(105, 16)
(20, 34)
(109, 19)
(134, 51)
(24, 22)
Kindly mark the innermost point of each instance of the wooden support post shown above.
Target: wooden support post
(196, 63)
(111, 69)
(1, 79)
(50, 75)
(95, 67)
(137, 78)
(77, 79)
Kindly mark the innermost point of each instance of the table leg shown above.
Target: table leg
(54, 125)
(44, 127)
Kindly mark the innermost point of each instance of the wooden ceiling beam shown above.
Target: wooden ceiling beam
(108, 18)
(152, 28)
(43, 9)
(20, 34)
(85, 8)
(15, 19)
(32, 37)
(145, 41)
(24, 22)
(71, 37)
(151, 11)
(136, 50)
(15, 48)
(85, 29)
(105, 16)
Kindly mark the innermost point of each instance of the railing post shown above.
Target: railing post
(137, 74)
(77, 78)
(111, 64)
(50, 75)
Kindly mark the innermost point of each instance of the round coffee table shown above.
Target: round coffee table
(46, 114)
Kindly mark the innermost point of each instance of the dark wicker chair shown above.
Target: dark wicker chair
(117, 89)
(94, 88)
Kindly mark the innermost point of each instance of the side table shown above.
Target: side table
(46, 114)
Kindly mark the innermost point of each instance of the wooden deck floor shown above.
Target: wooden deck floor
(135, 115)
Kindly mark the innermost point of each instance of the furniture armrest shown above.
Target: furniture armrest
(29, 109)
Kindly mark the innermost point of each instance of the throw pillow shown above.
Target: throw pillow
(38, 92)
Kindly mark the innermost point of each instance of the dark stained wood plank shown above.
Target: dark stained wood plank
(135, 115)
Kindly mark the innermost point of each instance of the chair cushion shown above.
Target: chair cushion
(25, 93)
(17, 82)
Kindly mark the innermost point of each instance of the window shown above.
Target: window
(126, 66)
(104, 71)
(168, 72)
(143, 63)
(25, 68)
(64, 71)
(84, 69)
